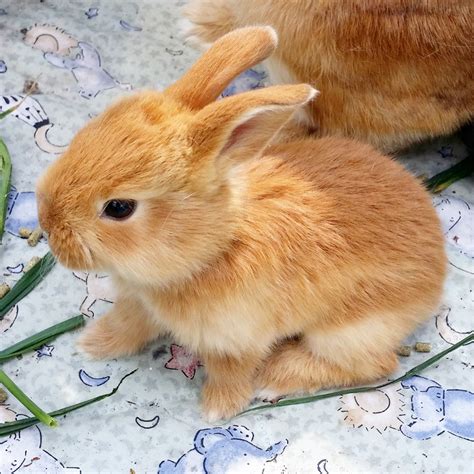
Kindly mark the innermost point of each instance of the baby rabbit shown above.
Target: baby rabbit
(285, 268)
(391, 72)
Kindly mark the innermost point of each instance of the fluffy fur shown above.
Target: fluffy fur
(390, 72)
(285, 267)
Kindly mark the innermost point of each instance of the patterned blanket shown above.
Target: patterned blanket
(84, 54)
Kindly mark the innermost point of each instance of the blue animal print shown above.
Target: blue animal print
(436, 410)
(87, 70)
(92, 12)
(248, 80)
(220, 451)
(21, 211)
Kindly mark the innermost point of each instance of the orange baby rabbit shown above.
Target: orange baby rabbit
(285, 268)
(390, 72)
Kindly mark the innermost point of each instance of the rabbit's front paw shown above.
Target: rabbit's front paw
(104, 339)
(222, 402)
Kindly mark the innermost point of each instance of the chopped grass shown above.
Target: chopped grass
(14, 426)
(39, 413)
(27, 345)
(443, 180)
(12, 109)
(5, 182)
(415, 370)
(43, 337)
(26, 283)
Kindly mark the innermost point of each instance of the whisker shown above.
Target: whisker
(188, 196)
(166, 219)
(85, 250)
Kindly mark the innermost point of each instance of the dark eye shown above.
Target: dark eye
(119, 208)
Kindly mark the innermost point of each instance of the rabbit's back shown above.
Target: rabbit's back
(369, 220)
(390, 72)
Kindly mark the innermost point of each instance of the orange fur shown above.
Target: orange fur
(236, 246)
(390, 72)
(292, 367)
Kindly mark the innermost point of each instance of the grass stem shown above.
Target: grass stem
(29, 404)
(14, 426)
(413, 371)
(5, 181)
(443, 180)
(26, 283)
(43, 337)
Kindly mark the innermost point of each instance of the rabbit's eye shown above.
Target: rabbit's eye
(119, 208)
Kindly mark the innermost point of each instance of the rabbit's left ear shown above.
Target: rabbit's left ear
(244, 124)
(229, 56)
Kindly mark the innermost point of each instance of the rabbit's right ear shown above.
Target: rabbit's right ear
(242, 125)
(228, 57)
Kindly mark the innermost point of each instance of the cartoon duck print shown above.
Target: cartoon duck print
(224, 450)
(85, 65)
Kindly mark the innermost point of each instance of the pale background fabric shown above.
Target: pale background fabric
(155, 416)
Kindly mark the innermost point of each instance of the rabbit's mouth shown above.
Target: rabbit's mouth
(66, 243)
(70, 251)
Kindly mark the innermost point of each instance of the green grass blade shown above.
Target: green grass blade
(14, 426)
(42, 337)
(442, 180)
(26, 283)
(29, 404)
(12, 109)
(413, 371)
(5, 181)
(7, 112)
(432, 360)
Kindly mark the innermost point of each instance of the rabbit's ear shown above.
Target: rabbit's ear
(221, 63)
(245, 123)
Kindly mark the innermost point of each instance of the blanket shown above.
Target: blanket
(83, 55)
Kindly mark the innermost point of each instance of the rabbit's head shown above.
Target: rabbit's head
(149, 190)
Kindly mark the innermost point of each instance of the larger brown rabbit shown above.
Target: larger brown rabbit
(390, 72)
(286, 268)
